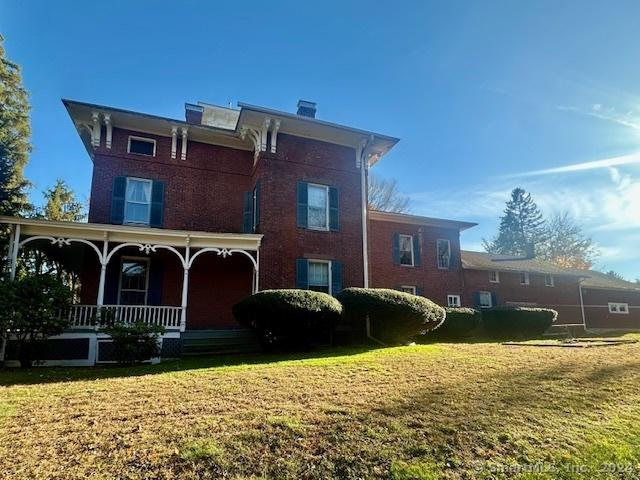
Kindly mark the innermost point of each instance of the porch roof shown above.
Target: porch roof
(126, 233)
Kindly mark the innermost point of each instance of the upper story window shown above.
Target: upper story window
(615, 307)
(318, 207)
(406, 250)
(142, 146)
(134, 281)
(524, 278)
(548, 280)
(453, 301)
(137, 208)
(494, 276)
(444, 253)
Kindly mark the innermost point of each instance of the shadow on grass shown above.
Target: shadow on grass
(42, 375)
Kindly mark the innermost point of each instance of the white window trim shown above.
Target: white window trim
(326, 187)
(497, 277)
(329, 268)
(146, 180)
(409, 287)
(456, 296)
(413, 259)
(614, 307)
(490, 299)
(146, 286)
(438, 253)
(527, 279)
(142, 139)
(550, 284)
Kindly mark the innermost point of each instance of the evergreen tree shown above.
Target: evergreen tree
(566, 245)
(15, 132)
(520, 226)
(62, 205)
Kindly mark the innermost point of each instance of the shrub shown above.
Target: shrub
(286, 319)
(394, 317)
(30, 312)
(458, 323)
(134, 342)
(517, 322)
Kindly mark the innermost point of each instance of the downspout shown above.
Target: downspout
(584, 321)
(364, 165)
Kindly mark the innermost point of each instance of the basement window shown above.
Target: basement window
(453, 301)
(524, 278)
(408, 289)
(142, 146)
(615, 307)
(548, 280)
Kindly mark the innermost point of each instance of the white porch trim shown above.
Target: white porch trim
(106, 240)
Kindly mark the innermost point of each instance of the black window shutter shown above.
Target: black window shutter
(453, 261)
(336, 277)
(256, 213)
(396, 248)
(156, 272)
(494, 299)
(247, 213)
(476, 299)
(416, 250)
(117, 200)
(420, 291)
(157, 204)
(334, 211)
(302, 273)
(111, 282)
(303, 204)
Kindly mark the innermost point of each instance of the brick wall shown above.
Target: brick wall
(596, 305)
(563, 296)
(434, 283)
(204, 192)
(312, 161)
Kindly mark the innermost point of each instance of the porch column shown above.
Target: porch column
(14, 251)
(185, 287)
(103, 271)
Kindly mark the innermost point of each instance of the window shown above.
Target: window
(408, 289)
(137, 207)
(134, 281)
(618, 307)
(494, 276)
(444, 253)
(142, 146)
(485, 300)
(406, 250)
(548, 280)
(318, 209)
(453, 301)
(319, 276)
(524, 278)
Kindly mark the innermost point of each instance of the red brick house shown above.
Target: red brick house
(187, 217)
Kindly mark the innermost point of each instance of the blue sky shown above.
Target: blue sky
(485, 95)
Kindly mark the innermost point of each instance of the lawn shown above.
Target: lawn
(431, 411)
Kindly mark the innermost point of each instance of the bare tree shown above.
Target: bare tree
(566, 245)
(385, 196)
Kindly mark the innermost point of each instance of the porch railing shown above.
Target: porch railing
(84, 316)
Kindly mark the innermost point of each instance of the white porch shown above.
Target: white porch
(108, 241)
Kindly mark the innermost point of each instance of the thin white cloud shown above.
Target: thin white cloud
(579, 167)
(627, 119)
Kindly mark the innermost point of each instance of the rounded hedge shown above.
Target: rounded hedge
(459, 323)
(395, 317)
(289, 318)
(517, 322)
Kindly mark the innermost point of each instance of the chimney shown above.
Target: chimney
(193, 113)
(529, 250)
(306, 109)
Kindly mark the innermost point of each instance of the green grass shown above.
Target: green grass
(475, 410)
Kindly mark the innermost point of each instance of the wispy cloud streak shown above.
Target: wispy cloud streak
(579, 167)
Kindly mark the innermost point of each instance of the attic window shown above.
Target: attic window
(142, 146)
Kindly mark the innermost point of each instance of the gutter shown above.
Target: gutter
(365, 206)
(584, 321)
